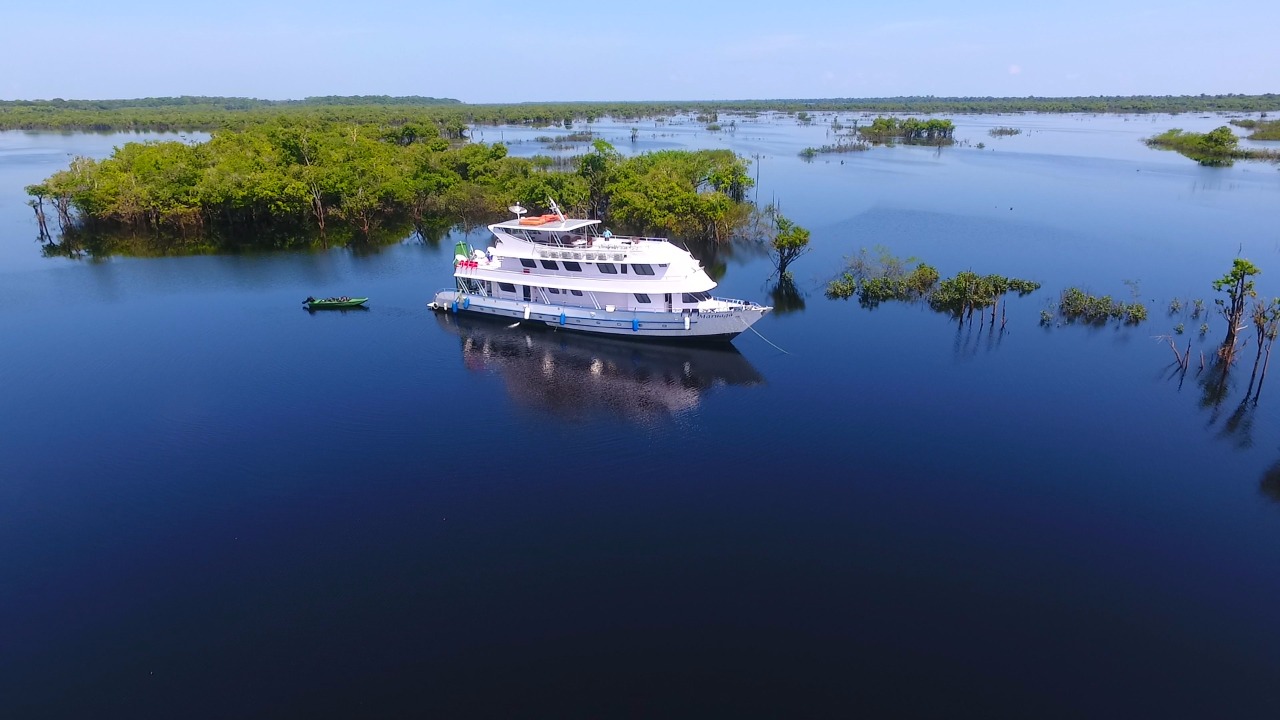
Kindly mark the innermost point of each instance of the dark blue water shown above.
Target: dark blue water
(215, 504)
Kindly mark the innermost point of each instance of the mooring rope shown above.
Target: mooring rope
(757, 332)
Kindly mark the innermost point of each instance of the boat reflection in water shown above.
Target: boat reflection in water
(575, 376)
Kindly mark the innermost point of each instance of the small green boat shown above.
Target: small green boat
(333, 302)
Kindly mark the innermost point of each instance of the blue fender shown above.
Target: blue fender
(562, 319)
(635, 324)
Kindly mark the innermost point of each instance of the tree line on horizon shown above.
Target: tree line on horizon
(211, 113)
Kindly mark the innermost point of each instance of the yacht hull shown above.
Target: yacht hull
(683, 326)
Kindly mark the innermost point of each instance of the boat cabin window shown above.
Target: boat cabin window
(528, 263)
(549, 264)
(506, 287)
(571, 265)
(641, 297)
(643, 269)
(607, 268)
(554, 291)
(576, 292)
(694, 297)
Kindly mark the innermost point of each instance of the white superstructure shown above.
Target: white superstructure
(568, 274)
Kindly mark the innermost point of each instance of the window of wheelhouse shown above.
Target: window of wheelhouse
(571, 265)
(643, 269)
(691, 298)
(506, 287)
(528, 263)
(642, 297)
(549, 265)
(576, 292)
(607, 268)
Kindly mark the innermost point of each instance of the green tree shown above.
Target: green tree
(598, 167)
(1238, 286)
(968, 292)
(297, 172)
(789, 242)
(680, 193)
(1220, 140)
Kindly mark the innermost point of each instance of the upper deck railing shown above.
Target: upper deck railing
(570, 239)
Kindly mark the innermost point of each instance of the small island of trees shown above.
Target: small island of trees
(887, 131)
(1219, 147)
(283, 177)
(882, 277)
(1262, 129)
(911, 131)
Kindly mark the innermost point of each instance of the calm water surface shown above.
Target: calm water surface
(214, 504)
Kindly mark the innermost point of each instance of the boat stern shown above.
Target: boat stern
(443, 300)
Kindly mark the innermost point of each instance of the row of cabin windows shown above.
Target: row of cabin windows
(546, 238)
(508, 287)
(689, 298)
(606, 268)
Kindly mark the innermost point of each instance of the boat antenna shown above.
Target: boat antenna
(555, 209)
(517, 210)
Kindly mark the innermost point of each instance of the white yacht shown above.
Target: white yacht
(568, 273)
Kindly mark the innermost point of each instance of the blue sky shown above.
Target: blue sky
(504, 51)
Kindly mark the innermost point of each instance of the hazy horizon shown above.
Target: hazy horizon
(589, 101)
(496, 51)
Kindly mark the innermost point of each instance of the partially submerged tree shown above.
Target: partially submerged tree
(788, 243)
(968, 292)
(1238, 285)
(1075, 304)
(880, 276)
(1266, 324)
